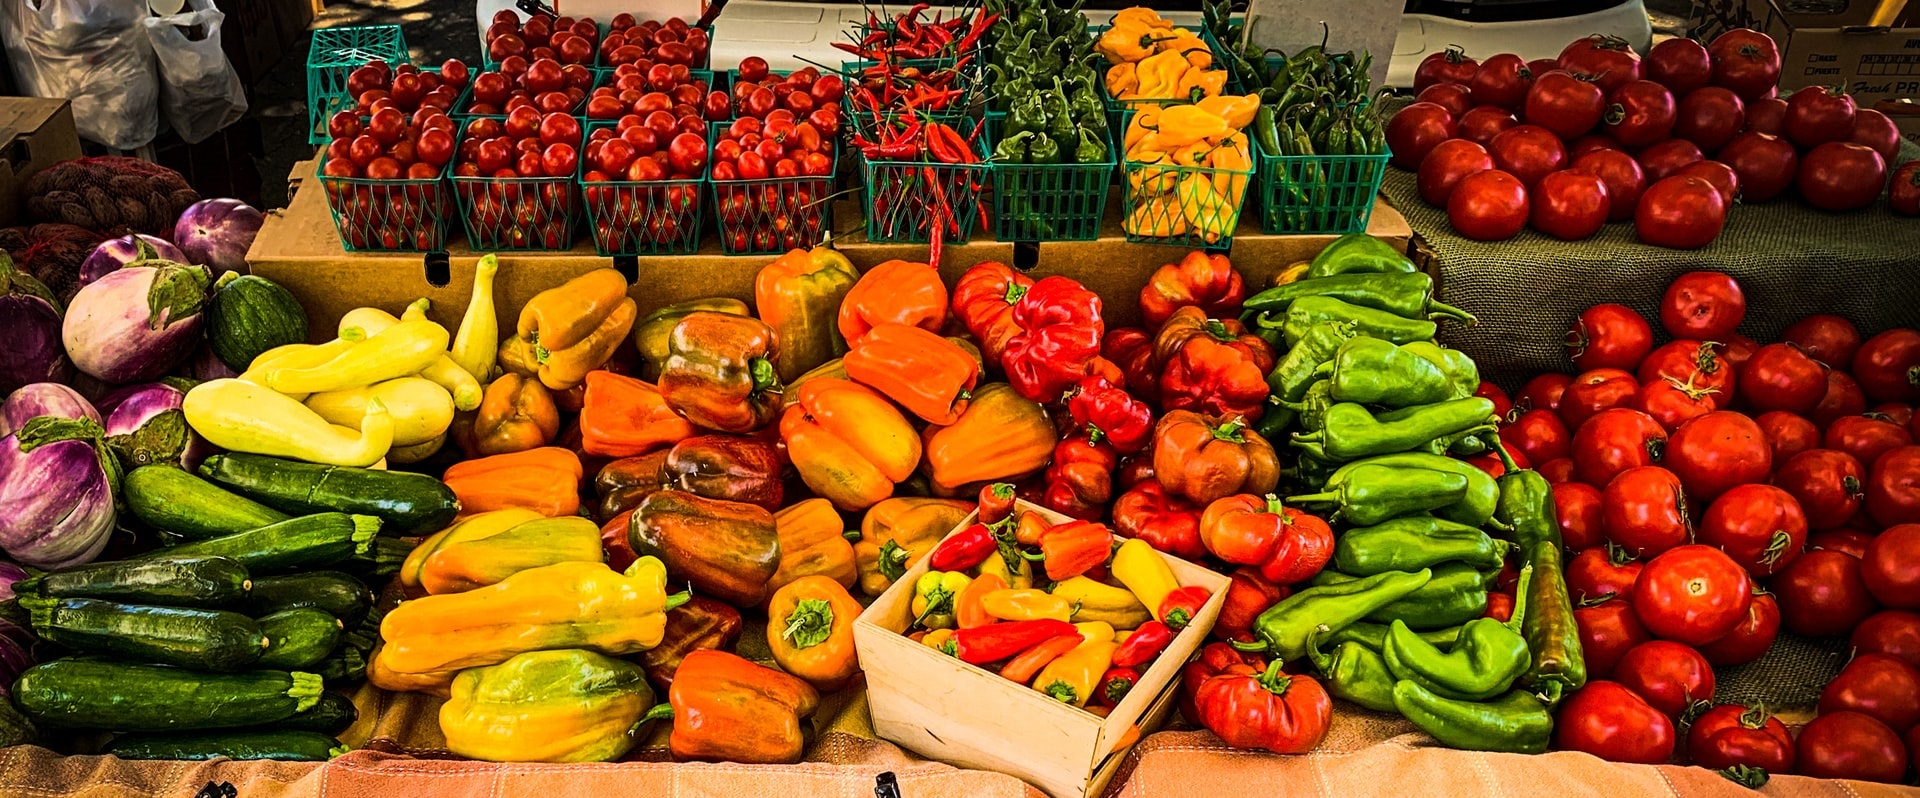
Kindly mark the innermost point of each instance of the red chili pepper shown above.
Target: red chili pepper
(1114, 686)
(859, 49)
(1109, 413)
(996, 502)
(1182, 605)
(993, 642)
(964, 549)
(1143, 645)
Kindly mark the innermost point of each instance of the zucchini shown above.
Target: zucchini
(298, 638)
(345, 664)
(409, 504)
(340, 595)
(248, 315)
(311, 541)
(213, 640)
(94, 693)
(334, 714)
(171, 500)
(167, 578)
(382, 559)
(281, 745)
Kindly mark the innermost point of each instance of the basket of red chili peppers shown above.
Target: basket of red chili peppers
(906, 37)
(926, 179)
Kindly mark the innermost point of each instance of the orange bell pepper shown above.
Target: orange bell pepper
(545, 480)
(623, 416)
(895, 291)
(848, 442)
(517, 413)
(1074, 548)
(810, 631)
(1207, 458)
(813, 542)
(927, 374)
(1001, 437)
(567, 331)
(799, 296)
(897, 532)
(728, 709)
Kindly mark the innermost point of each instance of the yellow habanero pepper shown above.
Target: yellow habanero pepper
(1141, 16)
(1145, 120)
(1197, 84)
(1161, 75)
(1125, 43)
(1073, 676)
(1181, 125)
(1238, 110)
(933, 597)
(1153, 173)
(1156, 218)
(1235, 165)
(1103, 603)
(1195, 154)
(1189, 46)
(1122, 80)
(1206, 209)
(1146, 573)
(1029, 604)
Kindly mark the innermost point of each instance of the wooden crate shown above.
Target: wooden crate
(945, 709)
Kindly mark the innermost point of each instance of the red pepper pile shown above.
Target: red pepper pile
(908, 37)
(926, 189)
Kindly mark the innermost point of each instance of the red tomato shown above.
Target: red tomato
(1895, 632)
(1639, 113)
(828, 89)
(1578, 509)
(1449, 66)
(1680, 64)
(434, 147)
(1751, 638)
(1671, 677)
(754, 68)
(1451, 96)
(1827, 338)
(1903, 197)
(1850, 745)
(1609, 59)
(1564, 104)
(387, 126)
(385, 168)
(1722, 176)
(1888, 366)
(1866, 437)
(1609, 721)
(1673, 403)
(1843, 398)
(1479, 125)
(1569, 205)
(1746, 61)
(1594, 391)
(1709, 117)
(1838, 176)
(1539, 434)
(1781, 377)
(1604, 570)
(1874, 129)
(1760, 526)
(1826, 483)
(1817, 115)
(1822, 594)
(1680, 212)
(1614, 441)
(1730, 735)
(1415, 131)
(1891, 567)
(1766, 165)
(1608, 629)
(1883, 686)
(1487, 206)
(1704, 306)
(1787, 434)
(1609, 336)
(1717, 451)
(1543, 391)
(559, 129)
(1448, 163)
(1623, 176)
(1693, 594)
(1850, 541)
(560, 160)
(1644, 511)
(1557, 472)
(1592, 142)
(1766, 115)
(363, 150)
(1501, 81)
(1502, 404)
(1897, 413)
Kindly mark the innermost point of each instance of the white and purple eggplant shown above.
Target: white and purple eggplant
(43, 399)
(57, 486)
(216, 233)
(145, 425)
(136, 324)
(30, 348)
(115, 254)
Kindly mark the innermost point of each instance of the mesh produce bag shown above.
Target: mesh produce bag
(110, 195)
(52, 253)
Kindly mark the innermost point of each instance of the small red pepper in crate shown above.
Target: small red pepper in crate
(996, 502)
(965, 549)
(1080, 480)
(1201, 280)
(1114, 685)
(1060, 336)
(994, 642)
(1074, 548)
(1143, 645)
(1183, 605)
(1107, 412)
(1248, 595)
(1306, 546)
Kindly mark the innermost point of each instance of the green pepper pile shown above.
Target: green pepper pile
(1396, 621)
(1045, 83)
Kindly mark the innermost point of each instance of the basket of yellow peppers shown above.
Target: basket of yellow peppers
(1152, 62)
(1187, 168)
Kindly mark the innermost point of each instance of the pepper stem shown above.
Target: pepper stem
(1520, 599)
(1230, 431)
(766, 378)
(678, 599)
(1014, 292)
(1276, 507)
(810, 623)
(658, 712)
(1506, 457)
(1329, 497)
(1275, 681)
(1248, 646)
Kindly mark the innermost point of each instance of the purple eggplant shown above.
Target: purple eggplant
(57, 483)
(217, 233)
(136, 324)
(30, 349)
(9, 574)
(145, 425)
(205, 366)
(114, 254)
(43, 399)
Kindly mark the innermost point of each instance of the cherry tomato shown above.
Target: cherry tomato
(1822, 594)
(1895, 632)
(1674, 403)
(363, 150)
(1569, 205)
(559, 129)
(1751, 638)
(1448, 66)
(1718, 451)
(1543, 391)
(1501, 81)
(1609, 59)
(1448, 163)
(1817, 115)
(1603, 570)
(1680, 64)
(1613, 441)
(1609, 721)
(1903, 197)
(1840, 176)
(1731, 734)
(1888, 366)
(754, 68)
(1850, 745)
(1644, 511)
(1451, 96)
(1608, 629)
(1671, 677)
(1578, 508)
(1623, 176)
(1746, 61)
(1564, 104)
(1528, 152)
(1639, 113)
(1766, 165)
(829, 88)
(385, 168)
(1480, 124)
(1874, 129)
(1488, 206)
(1891, 567)
(1681, 213)
(1415, 131)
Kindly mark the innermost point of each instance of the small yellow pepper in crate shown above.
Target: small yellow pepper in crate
(1188, 167)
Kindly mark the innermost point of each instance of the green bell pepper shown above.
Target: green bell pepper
(1475, 509)
(1376, 372)
(1359, 253)
(1350, 431)
(1487, 658)
(1282, 630)
(1516, 723)
(1371, 494)
(1558, 665)
(1374, 635)
(1414, 541)
(1355, 673)
(1409, 295)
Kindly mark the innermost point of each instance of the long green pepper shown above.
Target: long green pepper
(1371, 494)
(1408, 295)
(1559, 665)
(1294, 374)
(1516, 723)
(1413, 542)
(1374, 371)
(1456, 594)
(1485, 661)
(1475, 509)
(1350, 431)
(1283, 629)
(1355, 673)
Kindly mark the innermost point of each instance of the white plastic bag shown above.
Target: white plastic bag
(199, 91)
(92, 52)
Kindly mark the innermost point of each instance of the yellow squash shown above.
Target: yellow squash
(477, 342)
(443, 371)
(243, 417)
(397, 351)
(300, 356)
(421, 411)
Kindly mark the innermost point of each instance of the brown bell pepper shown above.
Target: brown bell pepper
(848, 442)
(1212, 365)
(1000, 437)
(894, 292)
(727, 550)
(650, 335)
(701, 624)
(623, 416)
(545, 480)
(733, 468)
(932, 377)
(720, 373)
(727, 709)
(516, 414)
(623, 483)
(617, 543)
(984, 299)
(897, 532)
(1080, 479)
(810, 630)
(813, 542)
(567, 331)
(1207, 457)
(799, 296)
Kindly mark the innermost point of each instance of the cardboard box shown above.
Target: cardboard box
(300, 249)
(1876, 65)
(34, 134)
(945, 709)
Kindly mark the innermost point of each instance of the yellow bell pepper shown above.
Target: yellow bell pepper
(1210, 212)
(1145, 120)
(1145, 572)
(472, 527)
(1073, 676)
(1159, 217)
(546, 706)
(1238, 110)
(1196, 84)
(1181, 125)
(1161, 75)
(565, 332)
(1027, 604)
(933, 596)
(1102, 603)
(997, 566)
(472, 564)
(396, 351)
(897, 532)
(243, 417)
(1123, 79)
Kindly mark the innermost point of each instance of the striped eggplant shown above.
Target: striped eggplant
(57, 482)
(43, 399)
(30, 329)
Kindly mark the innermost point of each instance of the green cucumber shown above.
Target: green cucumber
(213, 640)
(281, 745)
(171, 500)
(299, 637)
(340, 595)
(248, 315)
(334, 714)
(167, 579)
(93, 693)
(311, 541)
(409, 504)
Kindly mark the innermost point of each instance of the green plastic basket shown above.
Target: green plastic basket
(903, 197)
(1318, 194)
(334, 54)
(1048, 202)
(387, 215)
(517, 213)
(654, 217)
(772, 215)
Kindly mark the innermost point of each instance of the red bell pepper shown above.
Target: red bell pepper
(1212, 366)
(964, 549)
(1107, 412)
(1248, 595)
(1214, 658)
(1114, 686)
(1135, 470)
(1306, 546)
(994, 642)
(1243, 529)
(1131, 348)
(1143, 645)
(1208, 282)
(1165, 521)
(1060, 330)
(1267, 709)
(996, 502)
(1074, 548)
(983, 299)
(1080, 480)
(1180, 606)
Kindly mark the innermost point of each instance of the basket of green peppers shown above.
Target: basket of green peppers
(1051, 153)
